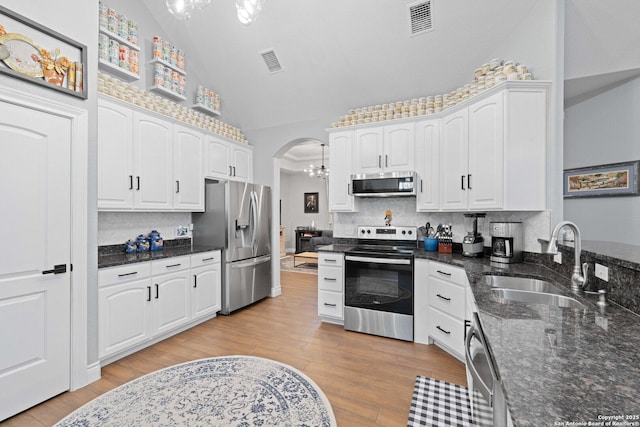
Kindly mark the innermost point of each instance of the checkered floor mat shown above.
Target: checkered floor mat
(438, 403)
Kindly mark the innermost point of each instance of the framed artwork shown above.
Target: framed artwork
(615, 179)
(34, 53)
(310, 202)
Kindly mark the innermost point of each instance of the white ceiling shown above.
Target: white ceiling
(343, 54)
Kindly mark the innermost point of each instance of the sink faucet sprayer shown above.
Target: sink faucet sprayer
(579, 276)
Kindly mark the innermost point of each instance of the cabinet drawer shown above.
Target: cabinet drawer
(330, 304)
(122, 274)
(447, 297)
(205, 258)
(330, 259)
(447, 272)
(169, 265)
(330, 279)
(447, 330)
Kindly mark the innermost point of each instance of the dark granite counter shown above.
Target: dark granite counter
(558, 366)
(114, 255)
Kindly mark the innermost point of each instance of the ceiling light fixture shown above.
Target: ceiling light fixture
(318, 171)
(248, 10)
(182, 9)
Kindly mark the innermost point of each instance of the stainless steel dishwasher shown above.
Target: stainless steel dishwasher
(488, 405)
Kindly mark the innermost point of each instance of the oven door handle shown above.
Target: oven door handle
(378, 260)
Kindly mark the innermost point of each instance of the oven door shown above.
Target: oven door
(379, 282)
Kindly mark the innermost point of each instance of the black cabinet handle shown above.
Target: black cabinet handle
(421, 186)
(462, 182)
(230, 170)
(329, 305)
(128, 274)
(195, 281)
(444, 298)
(148, 293)
(207, 259)
(138, 183)
(469, 181)
(157, 291)
(379, 161)
(386, 160)
(446, 332)
(130, 182)
(234, 171)
(331, 279)
(329, 260)
(177, 186)
(442, 272)
(57, 269)
(173, 265)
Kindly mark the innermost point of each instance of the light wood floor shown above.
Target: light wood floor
(368, 379)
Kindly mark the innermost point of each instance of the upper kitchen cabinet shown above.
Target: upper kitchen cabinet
(492, 152)
(427, 149)
(226, 160)
(340, 163)
(384, 149)
(147, 163)
(188, 169)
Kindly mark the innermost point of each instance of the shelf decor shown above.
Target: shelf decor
(615, 179)
(26, 54)
(207, 101)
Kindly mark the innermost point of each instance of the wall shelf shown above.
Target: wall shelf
(168, 93)
(120, 40)
(168, 65)
(111, 68)
(205, 109)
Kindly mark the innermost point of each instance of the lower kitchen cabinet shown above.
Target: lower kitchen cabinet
(331, 287)
(141, 303)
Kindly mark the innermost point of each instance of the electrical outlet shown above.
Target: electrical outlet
(602, 272)
(558, 258)
(182, 231)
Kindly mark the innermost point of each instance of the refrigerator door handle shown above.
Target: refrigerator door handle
(251, 261)
(254, 211)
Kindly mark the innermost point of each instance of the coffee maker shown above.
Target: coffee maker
(473, 242)
(506, 242)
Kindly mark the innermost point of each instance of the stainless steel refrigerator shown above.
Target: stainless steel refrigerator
(238, 217)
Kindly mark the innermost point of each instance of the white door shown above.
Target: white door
(187, 169)
(171, 306)
(205, 290)
(242, 164)
(398, 148)
(340, 155)
(367, 156)
(428, 165)
(217, 158)
(454, 160)
(35, 220)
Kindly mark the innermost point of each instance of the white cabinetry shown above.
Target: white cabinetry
(486, 148)
(147, 163)
(340, 156)
(384, 149)
(227, 160)
(206, 284)
(446, 295)
(427, 149)
(421, 302)
(331, 287)
(141, 303)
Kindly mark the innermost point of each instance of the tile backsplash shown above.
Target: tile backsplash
(372, 211)
(117, 227)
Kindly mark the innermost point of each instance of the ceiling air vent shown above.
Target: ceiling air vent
(420, 17)
(270, 58)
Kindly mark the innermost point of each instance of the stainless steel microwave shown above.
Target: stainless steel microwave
(391, 184)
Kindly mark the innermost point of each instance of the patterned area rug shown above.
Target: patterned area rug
(286, 264)
(439, 404)
(220, 391)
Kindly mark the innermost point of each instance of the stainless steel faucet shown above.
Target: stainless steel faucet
(579, 276)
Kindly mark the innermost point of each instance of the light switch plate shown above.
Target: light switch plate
(558, 257)
(602, 272)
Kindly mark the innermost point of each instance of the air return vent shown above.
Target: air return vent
(420, 17)
(271, 60)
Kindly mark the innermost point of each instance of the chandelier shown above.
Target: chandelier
(318, 171)
(247, 10)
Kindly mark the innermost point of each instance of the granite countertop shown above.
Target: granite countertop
(558, 366)
(109, 258)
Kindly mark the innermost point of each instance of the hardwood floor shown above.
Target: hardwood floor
(368, 379)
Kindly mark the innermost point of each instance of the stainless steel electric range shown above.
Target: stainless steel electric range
(379, 282)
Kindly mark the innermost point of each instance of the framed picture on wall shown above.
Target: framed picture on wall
(615, 179)
(310, 202)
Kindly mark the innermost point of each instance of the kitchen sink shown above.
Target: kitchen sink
(531, 297)
(522, 284)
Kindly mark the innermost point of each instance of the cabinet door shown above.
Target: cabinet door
(368, 153)
(486, 153)
(153, 162)
(453, 160)
(242, 164)
(205, 290)
(115, 152)
(398, 153)
(124, 316)
(187, 169)
(421, 302)
(217, 154)
(171, 305)
(428, 165)
(340, 155)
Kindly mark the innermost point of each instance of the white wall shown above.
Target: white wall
(117, 227)
(605, 129)
(292, 189)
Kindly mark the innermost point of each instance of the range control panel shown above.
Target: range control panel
(388, 233)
